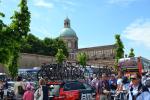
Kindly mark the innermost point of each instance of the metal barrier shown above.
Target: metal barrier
(120, 95)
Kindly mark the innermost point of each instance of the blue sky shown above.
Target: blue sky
(94, 21)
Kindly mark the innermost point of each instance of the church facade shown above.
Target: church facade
(98, 56)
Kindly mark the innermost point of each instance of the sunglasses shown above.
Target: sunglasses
(133, 78)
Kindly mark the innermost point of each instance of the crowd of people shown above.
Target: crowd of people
(113, 87)
(26, 90)
(121, 87)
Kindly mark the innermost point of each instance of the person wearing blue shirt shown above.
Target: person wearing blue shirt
(113, 83)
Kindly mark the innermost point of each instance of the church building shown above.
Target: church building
(98, 56)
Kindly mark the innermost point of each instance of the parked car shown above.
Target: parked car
(71, 90)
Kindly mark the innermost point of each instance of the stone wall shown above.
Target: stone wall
(100, 56)
(31, 60)
(2, 69)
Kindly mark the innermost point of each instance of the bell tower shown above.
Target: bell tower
(67, 23)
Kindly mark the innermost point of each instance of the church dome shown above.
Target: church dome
(67, 31)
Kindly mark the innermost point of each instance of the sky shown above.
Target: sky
(95, 21)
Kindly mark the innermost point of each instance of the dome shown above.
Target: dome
(67, 32)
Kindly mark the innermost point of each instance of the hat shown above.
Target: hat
(28, 87)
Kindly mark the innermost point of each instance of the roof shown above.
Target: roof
(67, 32)
(97, 47)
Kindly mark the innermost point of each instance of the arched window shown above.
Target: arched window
(69, 44)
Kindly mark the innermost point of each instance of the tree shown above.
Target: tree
(33, 45)
(131, 54)
(60, 44)
(6, 42)
(21, 21)
(12, 36)
(20, 27)
(119, 50)
(48, 46)
(82, 58)
(13, 66)
(60, 57)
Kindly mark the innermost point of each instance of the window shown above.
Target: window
(88, 87)
(54, 90)
(73, 86)
(69, 44)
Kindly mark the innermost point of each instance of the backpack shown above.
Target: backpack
(20, 90)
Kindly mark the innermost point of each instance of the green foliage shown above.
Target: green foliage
(119, 47)
(82, 59)
(12, 37)
(60, 57)
(60, 44)
(2, 15)
(21, 21)
(47, 46)
(13, 66)
(5, 42)
(131, 54)
(119, 50)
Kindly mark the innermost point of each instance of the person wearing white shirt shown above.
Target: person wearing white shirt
(137, 90)
(18, 83)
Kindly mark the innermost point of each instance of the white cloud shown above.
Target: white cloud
(43, 3)
(67, 2)
(68, 5)
(121, 2)
(138, 32)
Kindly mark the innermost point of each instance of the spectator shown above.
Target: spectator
(147, 81)
(103, 88)
(119, 82)
(113, 83)
(19, 88)
(30, 83)
(137, 90)
(94, 81)
(28, 95)
(126, 83)
(6, 84)
(42, 92)
(1, 89)
(125, 88)
(143, 78)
